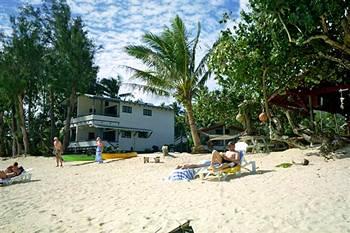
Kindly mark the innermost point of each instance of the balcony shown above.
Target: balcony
(91, 120)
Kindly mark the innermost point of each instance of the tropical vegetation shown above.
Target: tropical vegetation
(171, 68)
(48, 59)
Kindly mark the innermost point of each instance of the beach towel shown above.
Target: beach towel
(23, 177)
(182, 174)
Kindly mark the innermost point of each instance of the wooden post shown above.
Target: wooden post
(311, 110)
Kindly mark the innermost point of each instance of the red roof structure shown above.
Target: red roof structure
(333, 99)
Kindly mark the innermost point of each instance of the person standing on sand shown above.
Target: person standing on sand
(99, 149)
(58, 151)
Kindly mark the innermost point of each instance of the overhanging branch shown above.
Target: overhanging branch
(329, 41)
(345, 64)
(285, 28)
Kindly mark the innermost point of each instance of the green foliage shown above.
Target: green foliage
(281, 45)
(284, 165)
(47, 58)
(215, 107)
(170, 58)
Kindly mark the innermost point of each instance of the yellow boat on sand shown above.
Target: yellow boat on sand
(119, 155)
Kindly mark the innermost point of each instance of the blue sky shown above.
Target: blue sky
(117, 23)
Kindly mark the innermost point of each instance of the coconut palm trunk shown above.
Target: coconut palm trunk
(172, 69)
(197, 147)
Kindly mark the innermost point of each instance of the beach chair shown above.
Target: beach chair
(221, 173)
(23, 177)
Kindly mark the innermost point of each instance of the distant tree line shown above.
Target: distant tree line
(44, 64)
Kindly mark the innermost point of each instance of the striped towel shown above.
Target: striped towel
(182, 174)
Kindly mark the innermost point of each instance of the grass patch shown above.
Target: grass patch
(284, 165)
(78, 157)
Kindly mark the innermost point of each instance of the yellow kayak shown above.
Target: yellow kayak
(118, 155)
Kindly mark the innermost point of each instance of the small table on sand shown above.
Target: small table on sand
(147, 157)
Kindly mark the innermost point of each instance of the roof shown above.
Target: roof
(223, 137)
(219, 125)
(323, 98)
(118, 100)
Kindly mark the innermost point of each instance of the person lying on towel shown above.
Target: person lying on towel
(11, 171)
(187, 171)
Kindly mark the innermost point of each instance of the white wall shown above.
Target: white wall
(86, 103)
(162, 123)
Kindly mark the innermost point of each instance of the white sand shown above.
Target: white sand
(129, 196)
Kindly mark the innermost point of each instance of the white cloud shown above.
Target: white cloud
(243, 5)
(117, 23)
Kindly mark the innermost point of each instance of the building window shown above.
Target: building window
(218, 143)
(147, 112)
(143, 135)
(91, 136)
(92, 110)
(127, 109)
(111, 111)
(219, 131)
(106, 104)
(126, 134)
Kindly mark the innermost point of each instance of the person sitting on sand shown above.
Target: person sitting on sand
(58, 151)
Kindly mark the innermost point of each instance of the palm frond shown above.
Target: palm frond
(202, 64)
(193, 54)
(204, 78)
(149, 89)
(181, 49)
(150, 78)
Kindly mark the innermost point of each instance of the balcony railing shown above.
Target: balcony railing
(90, 120)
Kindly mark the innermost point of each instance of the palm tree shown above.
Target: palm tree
(111, 86)
(171, 69)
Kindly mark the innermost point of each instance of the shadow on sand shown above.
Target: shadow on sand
(258, 172)
(104, 161)
(20, 182)
(243, 174)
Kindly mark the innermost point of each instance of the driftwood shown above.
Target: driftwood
(292, 142)
(329, 147)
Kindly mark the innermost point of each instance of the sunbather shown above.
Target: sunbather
(11, 171)
(187, 171)
(229, 157)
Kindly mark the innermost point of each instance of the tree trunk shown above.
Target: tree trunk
(265, 94)
(70, 107)
(22, 124)
(291, 123)
(52, 116)
(197, 148)
(14, 133)
(2, 141)
(30, 113)
(247, 123)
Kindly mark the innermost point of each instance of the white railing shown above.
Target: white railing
(95, 119)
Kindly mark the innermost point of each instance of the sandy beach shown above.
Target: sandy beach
(130, 196)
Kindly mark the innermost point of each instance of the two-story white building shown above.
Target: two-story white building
(123, 125)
